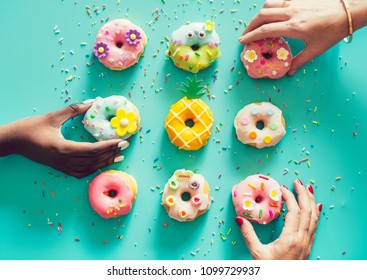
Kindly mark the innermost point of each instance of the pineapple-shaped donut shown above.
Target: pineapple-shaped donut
(189, 121)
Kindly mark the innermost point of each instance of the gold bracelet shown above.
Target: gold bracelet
(350, 22)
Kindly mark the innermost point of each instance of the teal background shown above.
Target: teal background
(324, 106)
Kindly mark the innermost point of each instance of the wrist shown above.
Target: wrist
(358, 9)
(9, 139)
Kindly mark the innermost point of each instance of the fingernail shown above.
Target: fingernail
(299, 181)
(239, 221)
(118, 159)
(319, 206)
(123, 145)
(310, 189)
(88, 101)
(284, 186)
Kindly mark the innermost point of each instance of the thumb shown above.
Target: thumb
(248, 234)
(62, 115)
(301, 59)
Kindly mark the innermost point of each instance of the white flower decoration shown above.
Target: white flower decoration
(275, 194)
(250, 56)
(282, 54)
(248, 204)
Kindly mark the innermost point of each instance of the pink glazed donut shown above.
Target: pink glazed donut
(112, 193)
(258, 198)
(119, 44)
(267, 58)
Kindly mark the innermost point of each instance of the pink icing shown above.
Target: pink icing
(113, 34)
(268, 63)
(100, 190)
(257, 187)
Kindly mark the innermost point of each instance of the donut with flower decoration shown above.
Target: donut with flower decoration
(119, 44)
(113, 117)
(194, 46)
(258, 198)
(186, 195)
(267, 58)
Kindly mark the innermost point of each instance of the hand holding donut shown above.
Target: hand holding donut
(299, 230)
(39, 139)
(319, 24)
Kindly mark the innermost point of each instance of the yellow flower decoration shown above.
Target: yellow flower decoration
(282, 54)
(209, 25)
(250, 56)
(275, 194)
(124, 122)
(248, 204)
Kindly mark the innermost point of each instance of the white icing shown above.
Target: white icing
(199, 201)
(180, 36)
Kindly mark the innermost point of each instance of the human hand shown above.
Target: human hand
(298, 234)
(320, 24)
(39, 138)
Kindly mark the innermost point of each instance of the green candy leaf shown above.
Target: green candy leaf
(193, 89)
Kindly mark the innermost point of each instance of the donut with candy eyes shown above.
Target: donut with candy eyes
(194, 46)
(258, 198)
(267, 58)
(186, 195)
(119, 44)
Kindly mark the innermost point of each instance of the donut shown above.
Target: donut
(260, 125)
(113, 117)
(267, 58)
(195, 46)
(186, 195)
(189, 124)
(112, 193)
(119, 44)
(258, 198)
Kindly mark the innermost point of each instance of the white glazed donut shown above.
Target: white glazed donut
(258, 198)
(260, 125)
(186, 195)
(113, 117)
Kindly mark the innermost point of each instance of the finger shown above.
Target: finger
(267, 16)
(82, 170)
(249, 235)
(291, 224)
(87, 149)
(270, 30)
(62, 115)
(305, 207)
(275, 3)
(301, 59)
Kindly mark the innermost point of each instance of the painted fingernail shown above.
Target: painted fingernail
(299, 181)
(284, 186)
(310, 189)
(88, 101)
(319, 206)
(239, 221)
(123, 145)
(118, 159)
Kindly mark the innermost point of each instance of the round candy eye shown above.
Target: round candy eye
(194, 184)
(202, 34)
(190, 34)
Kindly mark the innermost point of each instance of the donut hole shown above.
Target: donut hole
(190, 123)
(267, 55)
(260, 125)
(258, 199)
(111, 193)
(186, 196)
(119, 44)
(195, 47)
